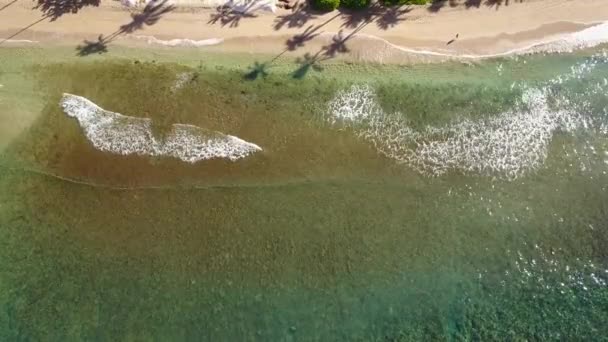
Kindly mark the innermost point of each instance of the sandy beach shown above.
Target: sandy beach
(409, 33)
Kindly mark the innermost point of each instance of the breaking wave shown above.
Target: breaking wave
(507, 145)
(587, 38)
(120, 134)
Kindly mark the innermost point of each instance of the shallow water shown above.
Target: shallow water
(443, 202)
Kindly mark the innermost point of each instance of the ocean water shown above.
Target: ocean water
(150, 200)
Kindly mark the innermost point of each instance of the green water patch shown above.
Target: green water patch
(337, 260)
(285, 117)
(281, 118)
(19, 102)
(317, 237)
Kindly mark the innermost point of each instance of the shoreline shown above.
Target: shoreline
(416, 35)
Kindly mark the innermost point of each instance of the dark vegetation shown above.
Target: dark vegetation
(355, 4)
(326, 5)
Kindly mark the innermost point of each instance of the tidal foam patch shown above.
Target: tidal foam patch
(120, 134)
(508, 145)
(353, 105)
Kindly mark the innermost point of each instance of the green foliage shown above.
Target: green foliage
(404, 2)
(325, 5)
(355, 4)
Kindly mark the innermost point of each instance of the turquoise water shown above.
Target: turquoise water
(457, 203)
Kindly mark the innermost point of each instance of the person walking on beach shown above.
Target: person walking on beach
(453, 40)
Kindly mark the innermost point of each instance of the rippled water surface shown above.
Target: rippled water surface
(438, 202)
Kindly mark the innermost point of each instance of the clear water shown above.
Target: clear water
(342, 228)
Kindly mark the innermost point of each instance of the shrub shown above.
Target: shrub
(325, 5)
(355, 4)
(404, 2)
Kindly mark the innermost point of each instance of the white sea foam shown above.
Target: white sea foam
(181, 42)
(181, 80)
(357, 104)
(586, 38)
(507, 145)
(589, 37)
(20, 41)
(120, 134)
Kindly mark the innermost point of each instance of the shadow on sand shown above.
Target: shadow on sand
(229, 16)
(384, 18)
(56, 8)
(149, 16)
(52, 9)
(8, 5)
(437, 5)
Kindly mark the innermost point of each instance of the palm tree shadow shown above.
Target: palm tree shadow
(498, 3)
(7, 5)
(257, 70)
(298, 17)
(385, 18)
(149, 16)
(353, 18)
(392, 16)
(311, 32)
(228, 16)
(437, 5)
(56, 8)
(337, 46)
(299, 40)
(99, 46)
(307, 62)
(24, 29)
